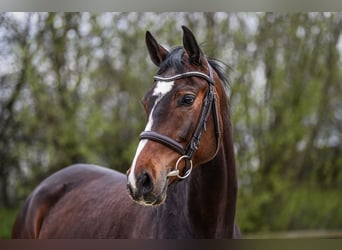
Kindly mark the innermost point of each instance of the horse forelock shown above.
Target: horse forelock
(175, 62)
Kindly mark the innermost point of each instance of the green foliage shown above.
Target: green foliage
(285, 166)
(71, 85)
(305, 207)
(7, 217)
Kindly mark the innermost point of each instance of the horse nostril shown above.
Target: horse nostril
(144, 183)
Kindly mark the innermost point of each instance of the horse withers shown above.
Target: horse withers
(182, 182)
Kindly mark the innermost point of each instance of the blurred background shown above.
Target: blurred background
(71, 86)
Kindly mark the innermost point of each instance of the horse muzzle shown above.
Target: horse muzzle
(145, 192)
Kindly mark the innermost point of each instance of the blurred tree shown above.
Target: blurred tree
(11, 85)
(301, 64)
(71, 85)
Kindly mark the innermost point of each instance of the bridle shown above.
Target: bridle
(209, 104)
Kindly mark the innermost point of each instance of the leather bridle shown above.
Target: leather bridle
(209, 104)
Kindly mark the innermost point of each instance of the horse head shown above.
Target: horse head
(183, 123)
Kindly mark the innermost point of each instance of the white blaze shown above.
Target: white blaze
(161, 89)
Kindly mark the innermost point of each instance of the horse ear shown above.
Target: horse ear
(157, 52)
(191, 46)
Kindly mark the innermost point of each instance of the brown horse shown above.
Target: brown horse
(182, 182)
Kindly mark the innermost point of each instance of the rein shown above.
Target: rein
(209, 104)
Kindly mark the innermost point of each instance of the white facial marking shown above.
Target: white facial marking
(161, 89)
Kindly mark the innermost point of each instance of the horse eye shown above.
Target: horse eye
(188, 100)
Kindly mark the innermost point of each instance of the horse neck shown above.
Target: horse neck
(212, 190)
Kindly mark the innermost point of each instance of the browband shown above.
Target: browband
(184, 75)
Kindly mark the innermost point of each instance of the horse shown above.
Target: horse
(182, 182)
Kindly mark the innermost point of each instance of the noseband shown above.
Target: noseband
(209, 104)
